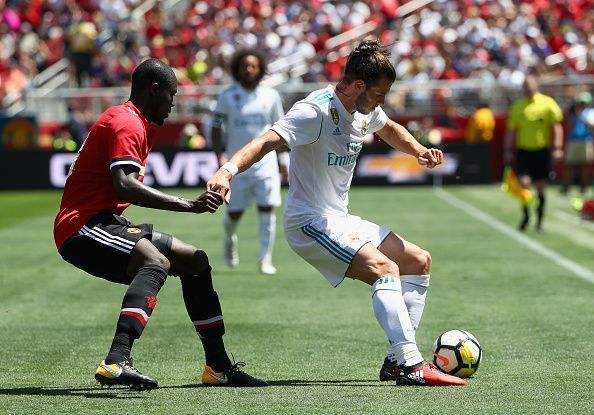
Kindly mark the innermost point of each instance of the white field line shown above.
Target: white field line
(566, 217)
(531, 244)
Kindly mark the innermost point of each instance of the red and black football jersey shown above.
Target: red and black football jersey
(120, 136)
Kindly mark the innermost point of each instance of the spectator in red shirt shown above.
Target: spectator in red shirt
(91, 233)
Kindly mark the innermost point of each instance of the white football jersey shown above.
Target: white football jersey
(325, 141)
(245, 115)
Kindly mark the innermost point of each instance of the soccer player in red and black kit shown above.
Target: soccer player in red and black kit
(91, 234)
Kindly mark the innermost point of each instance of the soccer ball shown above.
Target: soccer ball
(457, 352)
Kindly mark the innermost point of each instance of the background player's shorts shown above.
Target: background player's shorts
(330, 243)
(247, 187)
(103, 246)
(579, 152)
(536, 164)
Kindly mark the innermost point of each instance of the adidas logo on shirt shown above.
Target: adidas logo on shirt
(336, 131)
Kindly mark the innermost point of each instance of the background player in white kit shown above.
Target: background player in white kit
(246, 110)
(325, 133)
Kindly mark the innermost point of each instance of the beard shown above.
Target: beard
(250, 83)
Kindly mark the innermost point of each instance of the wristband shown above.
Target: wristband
(283, 158)
(230, 167)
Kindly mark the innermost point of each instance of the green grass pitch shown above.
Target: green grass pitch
(320, 348)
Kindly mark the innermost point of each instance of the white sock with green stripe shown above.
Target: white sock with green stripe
(392, 314)
(414, 291)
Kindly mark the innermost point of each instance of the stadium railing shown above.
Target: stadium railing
(412, 99)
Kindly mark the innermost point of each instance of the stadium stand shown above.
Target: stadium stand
(104, 40)
(56, 54)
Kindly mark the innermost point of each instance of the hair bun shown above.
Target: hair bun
(368, 46)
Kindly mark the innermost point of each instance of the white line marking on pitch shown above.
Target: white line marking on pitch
(535, 246)
(564, 216)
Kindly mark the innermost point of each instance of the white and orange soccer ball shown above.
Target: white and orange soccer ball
(457, 352)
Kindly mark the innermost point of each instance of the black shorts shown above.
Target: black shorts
(536, 164)
(103, 246)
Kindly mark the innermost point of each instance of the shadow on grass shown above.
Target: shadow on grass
(296, 382)
(88, 392)
(125, 393)
(321, 382)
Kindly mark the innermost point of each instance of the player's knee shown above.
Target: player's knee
(145, 253)
(201, 262)
(159, 260)
(423, 262)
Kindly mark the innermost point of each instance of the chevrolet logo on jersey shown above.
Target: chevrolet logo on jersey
(335, 117)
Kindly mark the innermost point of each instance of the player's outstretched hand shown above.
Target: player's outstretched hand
(219, 183)
(430, 158)
(207, 202)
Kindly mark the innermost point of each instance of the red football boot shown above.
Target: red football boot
(426, 374)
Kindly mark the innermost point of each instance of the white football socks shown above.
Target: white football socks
(267, 228)
(230, 225)
(392, 314)
(414, 291)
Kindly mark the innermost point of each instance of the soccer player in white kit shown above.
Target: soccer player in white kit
(246, 110)
(325, 133)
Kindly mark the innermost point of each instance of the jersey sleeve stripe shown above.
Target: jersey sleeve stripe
(324, 101)
(119, 162)
(321, 98)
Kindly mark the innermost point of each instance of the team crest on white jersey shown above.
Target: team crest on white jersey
(334, 114)
(363, 126)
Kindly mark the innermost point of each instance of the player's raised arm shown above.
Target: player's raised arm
(243, 160)
(399, 138)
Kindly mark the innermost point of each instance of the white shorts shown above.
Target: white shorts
(329, 243)
(246, 187)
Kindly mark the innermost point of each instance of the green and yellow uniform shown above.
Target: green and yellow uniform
(532, 119)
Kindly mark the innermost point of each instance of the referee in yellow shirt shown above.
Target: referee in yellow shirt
(530, 123)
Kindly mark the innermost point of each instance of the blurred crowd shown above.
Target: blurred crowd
(105, 39)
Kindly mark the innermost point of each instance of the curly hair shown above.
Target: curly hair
(370, 62)
(240, 55)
